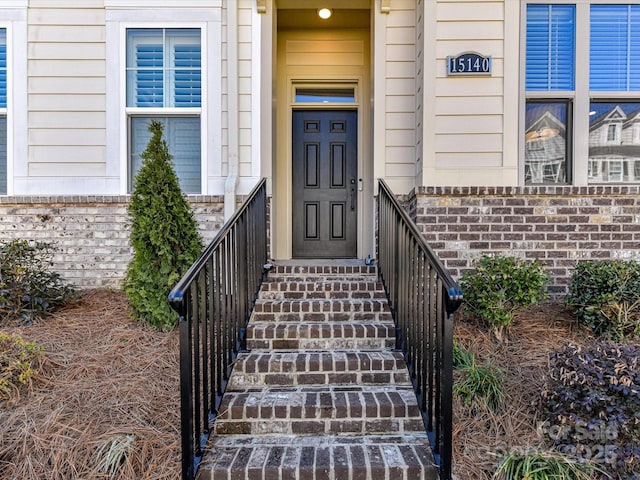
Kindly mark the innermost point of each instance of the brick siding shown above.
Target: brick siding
(91, 232)
(560, 226)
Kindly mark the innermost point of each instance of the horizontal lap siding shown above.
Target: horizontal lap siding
(244, 86)
(469, 111)
(402, 97)
(66, 81)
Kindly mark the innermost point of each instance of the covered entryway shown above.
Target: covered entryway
(322, 170)
(325, 183)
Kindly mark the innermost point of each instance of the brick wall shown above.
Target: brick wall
(91, 232)
(557, 225)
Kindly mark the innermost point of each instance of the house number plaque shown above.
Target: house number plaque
(468, 63)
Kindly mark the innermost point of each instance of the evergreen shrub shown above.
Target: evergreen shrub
(499, 286)
(605, 296)
(28, 287)
(164, 236)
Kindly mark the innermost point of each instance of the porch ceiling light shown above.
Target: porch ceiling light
(324, 13)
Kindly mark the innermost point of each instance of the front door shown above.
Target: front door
(324, 171)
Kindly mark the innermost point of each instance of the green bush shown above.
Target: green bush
(605, 296)
(498, 287)
(17, 363)
(164, 237)
(591, 404)
(28, 288)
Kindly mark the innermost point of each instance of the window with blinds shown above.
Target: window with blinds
(164, 71)
(550, 47)
(614, 49)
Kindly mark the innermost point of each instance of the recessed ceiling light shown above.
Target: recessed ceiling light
(324, 13)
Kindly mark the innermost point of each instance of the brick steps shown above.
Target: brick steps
(321, 394)
(318, 368)
(322, 311)
(319, 410)
(314, 336)
(390, 457)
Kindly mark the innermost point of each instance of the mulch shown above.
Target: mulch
(105, 404)
(481, 436)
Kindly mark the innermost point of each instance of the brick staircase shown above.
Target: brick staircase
(321, 395)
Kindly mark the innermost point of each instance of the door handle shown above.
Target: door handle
(353, 193)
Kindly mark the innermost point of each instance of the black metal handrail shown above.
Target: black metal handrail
(214, 300)
(423, 297)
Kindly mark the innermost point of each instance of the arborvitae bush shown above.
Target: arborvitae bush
(605, 296)
(164, 237)
(28, 287)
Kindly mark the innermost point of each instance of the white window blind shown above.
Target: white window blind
(163, 68)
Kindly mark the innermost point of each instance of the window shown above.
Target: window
(325, 95)
(164, 83)
(605, 79)
(546, 142)
(550, 55)
(3, 111)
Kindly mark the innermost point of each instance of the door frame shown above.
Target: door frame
(282, 214)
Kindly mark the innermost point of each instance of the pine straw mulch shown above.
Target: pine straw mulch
(106, 400)
(482, 437)
(108, 382)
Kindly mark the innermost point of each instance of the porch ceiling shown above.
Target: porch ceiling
(308, 19)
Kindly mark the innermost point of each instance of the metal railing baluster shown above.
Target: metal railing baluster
(214, 300)
(423, 297)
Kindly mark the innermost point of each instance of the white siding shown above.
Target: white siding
(66, 91)
(244, 86)
(403, 96)
(467, 126)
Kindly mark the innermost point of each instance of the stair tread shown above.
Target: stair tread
(319, 360)
(332, 457)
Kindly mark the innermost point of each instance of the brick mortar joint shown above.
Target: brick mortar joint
(529, 190)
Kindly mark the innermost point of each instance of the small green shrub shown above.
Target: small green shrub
(605, 296)
(479, 385)
(28, 288)
(499, 286)
(164, 236)
(542, 466)
(591, 404)
(17, 363)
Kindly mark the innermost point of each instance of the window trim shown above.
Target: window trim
(581, 96)
(128, 112)
(123, 15)
(14, 20)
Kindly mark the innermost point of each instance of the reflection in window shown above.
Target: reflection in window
(614, 144)
(545, 148)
